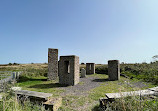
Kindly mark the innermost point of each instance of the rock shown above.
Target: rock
(53, 104)
(83, 73)
(16, 88)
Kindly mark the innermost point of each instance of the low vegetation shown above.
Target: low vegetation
(145, 72)
(10, 103)
(34, 79)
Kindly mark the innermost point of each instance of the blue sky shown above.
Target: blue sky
(94, 30)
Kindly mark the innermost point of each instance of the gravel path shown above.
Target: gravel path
(140, 84)
(82, 88)
(86, 84)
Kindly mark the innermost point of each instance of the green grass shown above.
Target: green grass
(101, 76)
(70, 102)
(98, 92)
(40, 84)
(33, 79)
(108, 87)
(134, 103)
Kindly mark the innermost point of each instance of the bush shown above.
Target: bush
(10, 64)
(15, 63)
(101, 70)
(145, 72)
(32, 72)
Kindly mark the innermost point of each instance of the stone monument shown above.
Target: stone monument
(83, 73)
(69, 70)
(90, 68)
(52, 64)
(114, 70)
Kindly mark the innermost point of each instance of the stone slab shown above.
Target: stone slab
(16, 88)
(154, 89)
(132, 93)
(34, 94)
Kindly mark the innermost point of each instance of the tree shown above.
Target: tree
(155, 58)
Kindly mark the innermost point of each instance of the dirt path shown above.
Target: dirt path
(82, 89)
(85, 85)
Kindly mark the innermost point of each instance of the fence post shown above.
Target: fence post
(14, 75)
(17, 75)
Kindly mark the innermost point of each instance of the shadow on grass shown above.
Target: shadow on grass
(24, 79)
(51, 85)
(100, 80)
(96, 108)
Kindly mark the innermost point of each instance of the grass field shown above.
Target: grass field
(75, 102)
(34, 79)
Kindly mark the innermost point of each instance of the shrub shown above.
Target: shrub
(101, 70)
(10, 64)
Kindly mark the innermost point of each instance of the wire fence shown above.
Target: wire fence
(7, 76)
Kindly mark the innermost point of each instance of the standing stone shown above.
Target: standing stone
(17, 75)
(14, 75)
(52, 64)
(114, 70)
(69, 70)
(90, 68)
(83, 73)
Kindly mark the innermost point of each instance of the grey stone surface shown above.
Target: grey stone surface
(52, 64)
(34, 94)
(114, 70)
(151, 93)
(83, 73)
(154, 89)
(132, 93)
(16, 88)
(69, 70)
(90, 68)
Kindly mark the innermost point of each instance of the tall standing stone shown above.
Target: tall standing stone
(114, 70)
(83, 73)
(52, 64)
(90, 68)
(69, 70)
(14, 75)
